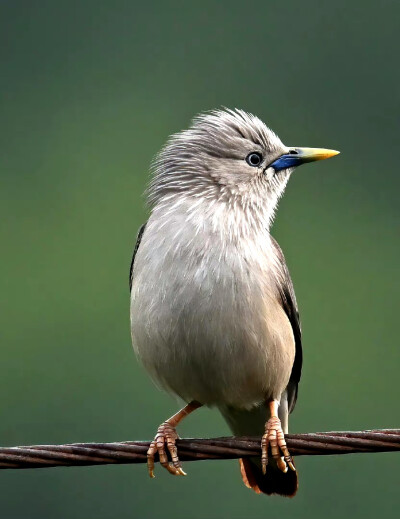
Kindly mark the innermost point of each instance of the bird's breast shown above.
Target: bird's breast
(206, 318)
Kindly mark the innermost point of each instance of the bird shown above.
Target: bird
(213, 312)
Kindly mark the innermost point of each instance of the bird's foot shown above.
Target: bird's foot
(166, 435)
(275, 438)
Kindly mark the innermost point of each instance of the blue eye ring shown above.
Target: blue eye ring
(254, 159)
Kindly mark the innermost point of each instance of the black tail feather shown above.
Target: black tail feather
(273, 482)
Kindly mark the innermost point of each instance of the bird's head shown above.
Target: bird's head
(229, 157)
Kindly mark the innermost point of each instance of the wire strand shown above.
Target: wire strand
(311, 444)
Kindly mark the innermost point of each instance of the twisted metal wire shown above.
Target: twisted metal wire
(79, 454)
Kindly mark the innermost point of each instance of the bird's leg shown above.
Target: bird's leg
(166, 434)
(275, 438)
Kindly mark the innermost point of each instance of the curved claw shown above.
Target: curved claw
(275, 438)
(166, 435)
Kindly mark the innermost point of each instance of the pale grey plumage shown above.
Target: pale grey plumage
(214, 317)
(206, 303)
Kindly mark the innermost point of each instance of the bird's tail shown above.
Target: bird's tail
(273, 482)
(251, 423)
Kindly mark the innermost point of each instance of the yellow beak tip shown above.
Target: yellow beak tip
(312, 154)
(325, 154)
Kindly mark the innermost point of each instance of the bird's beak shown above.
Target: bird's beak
(297, 156)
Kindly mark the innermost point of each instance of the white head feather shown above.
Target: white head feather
(206, 166)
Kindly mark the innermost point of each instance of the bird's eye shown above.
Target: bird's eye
(254, 159)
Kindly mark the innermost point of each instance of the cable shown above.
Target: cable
(77, 454)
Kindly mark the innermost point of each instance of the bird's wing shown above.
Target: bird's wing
(138, 239)
(289, 304)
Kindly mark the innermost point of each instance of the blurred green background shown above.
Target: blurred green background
(90, 90)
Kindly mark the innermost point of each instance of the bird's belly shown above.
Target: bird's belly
(212, 336)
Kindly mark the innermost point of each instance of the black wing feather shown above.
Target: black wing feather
(289, 304)
(138, 239)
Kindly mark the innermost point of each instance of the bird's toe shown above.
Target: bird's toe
(275, 439)
(166, 437)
